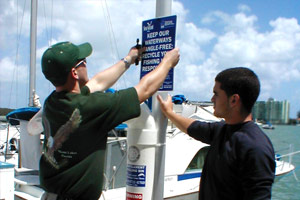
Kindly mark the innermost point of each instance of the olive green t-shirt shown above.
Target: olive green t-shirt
(76, 127)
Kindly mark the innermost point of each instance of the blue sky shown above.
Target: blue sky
(263, 35)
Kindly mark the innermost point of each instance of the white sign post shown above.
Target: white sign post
(146, 136)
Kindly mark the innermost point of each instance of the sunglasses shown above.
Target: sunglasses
(80, 62)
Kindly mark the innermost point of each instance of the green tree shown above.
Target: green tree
(5, 111)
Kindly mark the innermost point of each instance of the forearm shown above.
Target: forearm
(179, 121)
(107, 78)
(152, 81)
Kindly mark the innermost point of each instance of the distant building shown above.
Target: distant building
(276, 112)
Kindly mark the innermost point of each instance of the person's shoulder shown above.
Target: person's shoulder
(128, 95)
(250, 136)
(215, 125)
(85, 90)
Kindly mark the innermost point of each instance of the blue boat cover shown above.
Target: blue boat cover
(110, 90)
(4, 165)
(178, 99)
(121, 127)
(21, 113)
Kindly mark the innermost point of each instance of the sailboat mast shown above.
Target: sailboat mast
(32, 72)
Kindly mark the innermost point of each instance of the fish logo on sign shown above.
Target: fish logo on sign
(149, 26)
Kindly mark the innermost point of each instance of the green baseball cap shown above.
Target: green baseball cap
(60, 58)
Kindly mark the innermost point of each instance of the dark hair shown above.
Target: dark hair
(241, 81)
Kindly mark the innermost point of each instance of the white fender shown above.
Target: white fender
(144, 168)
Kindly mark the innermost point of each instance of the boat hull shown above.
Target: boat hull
(190, 196)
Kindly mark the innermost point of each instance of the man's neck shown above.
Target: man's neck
(238, 119)
(69, 87)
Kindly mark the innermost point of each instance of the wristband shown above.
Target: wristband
(127, 64)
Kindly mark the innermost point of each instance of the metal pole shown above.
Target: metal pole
(163, 8)
(146, 141)
(32, 72)
(6, 149)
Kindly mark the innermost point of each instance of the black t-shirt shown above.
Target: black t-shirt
(240, 163)
(76, 127)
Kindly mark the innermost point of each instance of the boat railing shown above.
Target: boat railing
(111, 172)
(9, 146)
(111, 181)
(289, 156)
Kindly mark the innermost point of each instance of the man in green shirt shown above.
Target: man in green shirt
(103, 80)
(76, 120)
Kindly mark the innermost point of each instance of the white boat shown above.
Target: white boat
(268, 126)
(283, 168)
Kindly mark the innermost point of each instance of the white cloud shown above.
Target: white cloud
(13, 83)
(244, 8)
(11, 70)
(196, 81)
(12, 18)
(271, 54)
(191, 41)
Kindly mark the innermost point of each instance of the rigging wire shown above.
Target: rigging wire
(48, 35)
(109, 36)
(112, 31)
(51, 39)
(45, 18)
(15, 75)
(112, 38)
(50, 43)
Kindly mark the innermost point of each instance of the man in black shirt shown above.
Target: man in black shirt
(240, 163)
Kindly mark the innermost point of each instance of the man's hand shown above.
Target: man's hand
(171, 58)
(166, 106)
(152, 81)
(135, 54)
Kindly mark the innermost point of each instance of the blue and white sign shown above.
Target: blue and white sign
(136, 175)
(158, 38)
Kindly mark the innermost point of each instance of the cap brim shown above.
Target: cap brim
(85, 50)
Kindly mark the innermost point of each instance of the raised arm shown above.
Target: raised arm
(152, 81)
(105, 79)
(167, 108)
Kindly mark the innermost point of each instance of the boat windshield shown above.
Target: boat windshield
(3, 126)
(198, 161)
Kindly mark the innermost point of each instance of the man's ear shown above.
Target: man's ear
(235, 98)
(74, 74)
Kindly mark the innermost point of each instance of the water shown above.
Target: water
(287, 188)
